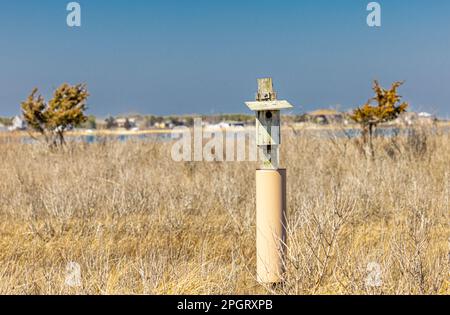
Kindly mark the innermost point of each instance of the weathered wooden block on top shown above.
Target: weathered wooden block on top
(265, 90)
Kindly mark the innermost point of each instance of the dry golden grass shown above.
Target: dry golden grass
(138, 223)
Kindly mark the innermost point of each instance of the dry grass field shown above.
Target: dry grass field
(138, 223)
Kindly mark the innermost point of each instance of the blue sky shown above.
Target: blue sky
(203, 56)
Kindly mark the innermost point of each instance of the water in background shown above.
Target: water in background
(166, 137)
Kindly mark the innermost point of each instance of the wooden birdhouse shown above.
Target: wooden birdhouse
(268, 122)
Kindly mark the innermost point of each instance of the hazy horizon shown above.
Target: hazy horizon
(203, 57)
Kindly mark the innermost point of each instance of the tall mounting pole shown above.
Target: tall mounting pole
(270, 185)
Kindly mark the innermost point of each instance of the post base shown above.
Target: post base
(270, 225)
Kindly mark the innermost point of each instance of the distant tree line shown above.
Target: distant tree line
(6, 121)
(149, 121)
(66, 110)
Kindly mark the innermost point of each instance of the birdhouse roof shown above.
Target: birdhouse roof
(268, 105)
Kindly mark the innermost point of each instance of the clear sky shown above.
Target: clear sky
(203, 56)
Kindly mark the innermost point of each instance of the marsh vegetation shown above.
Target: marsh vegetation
(138, 223)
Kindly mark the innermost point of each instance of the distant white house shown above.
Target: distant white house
(227, 125)
(3, 128)
(427, 118)
(232, 124)
(123, 122)
(17, 124)
(425, 115)
(411, 118)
